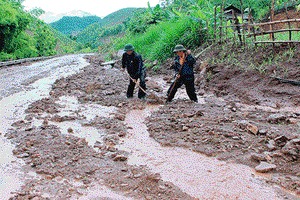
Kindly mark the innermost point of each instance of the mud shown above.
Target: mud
(66, 165)
(247, 117)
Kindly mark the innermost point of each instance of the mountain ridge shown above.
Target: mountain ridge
(71, 25)
(50, 17)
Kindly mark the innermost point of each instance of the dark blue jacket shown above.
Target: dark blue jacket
(188, 65)
(133, 63)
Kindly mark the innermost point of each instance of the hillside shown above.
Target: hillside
(64, 42)
(115, 20)
(71, 25)
(50, 17)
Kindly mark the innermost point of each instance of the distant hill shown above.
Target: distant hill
(64, 42)
(50, 17)
(74, 25)
(112, 24)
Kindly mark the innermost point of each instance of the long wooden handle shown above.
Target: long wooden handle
(137, 84)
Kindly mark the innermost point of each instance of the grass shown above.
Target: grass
(158, 42)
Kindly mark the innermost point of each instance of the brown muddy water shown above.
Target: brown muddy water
(12, 108)
(200, 176)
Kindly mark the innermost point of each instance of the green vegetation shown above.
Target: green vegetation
(98, 34)
(22, 35)
(158, 41)
(69, 25)
(154, 31)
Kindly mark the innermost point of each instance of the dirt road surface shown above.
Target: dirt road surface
(78, 137)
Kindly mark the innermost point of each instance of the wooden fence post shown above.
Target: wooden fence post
(221, 16)
(215, 28)
(253, 27)
(236, 22)
(243, 25)
(272, 18)
(287, 16)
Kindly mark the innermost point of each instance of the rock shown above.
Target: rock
(81, 142)
(155, 177)
(185, 128)
(258, 157)
(120, 158)
(265, 167)
(111, 154)
(30, 128)
(45, 122)
(24, 155)
(252, 129)
(120, 53)
(155, 63)
(243, 124)
(70, 130)
(111, 140)
(276, 118)
(120, 117)
(262, 132)
(18, 123)
(111, 149)
(292, 121)
(290, 148)
(98, 145)
(28, 117)
(296, 141)
(56, 118)
(281, 140)
(120, 105)
(271, 145)
(125, 169)
(122, 134)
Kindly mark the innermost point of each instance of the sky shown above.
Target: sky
(100, 8)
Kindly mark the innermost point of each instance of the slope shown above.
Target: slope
(69, 25)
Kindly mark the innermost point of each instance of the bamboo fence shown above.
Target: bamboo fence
(241, 33)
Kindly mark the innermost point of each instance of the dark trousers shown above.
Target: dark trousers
(189, 86)
(131, 86)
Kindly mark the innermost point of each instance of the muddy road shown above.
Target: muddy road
(72, 134)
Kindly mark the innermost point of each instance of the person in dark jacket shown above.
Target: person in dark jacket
(133, 62)
(183, 67)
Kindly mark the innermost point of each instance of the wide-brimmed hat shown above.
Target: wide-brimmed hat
(179, 47)
(128, 47)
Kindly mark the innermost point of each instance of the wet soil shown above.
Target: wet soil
(248, 118)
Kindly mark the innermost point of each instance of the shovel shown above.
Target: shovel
(150, 96)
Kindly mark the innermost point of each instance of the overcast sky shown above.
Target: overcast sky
(100, 8)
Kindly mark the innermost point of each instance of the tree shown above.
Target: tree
(45, 40)
(12, 22)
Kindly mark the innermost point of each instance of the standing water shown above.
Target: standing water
(197, 175)
(12, 108)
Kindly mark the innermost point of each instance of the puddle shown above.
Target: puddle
(71, 107)
(90, 111)
(197, 175)
(100, 191)
(12, 108)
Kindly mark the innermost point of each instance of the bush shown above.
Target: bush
(158, 41)
(6, 57)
